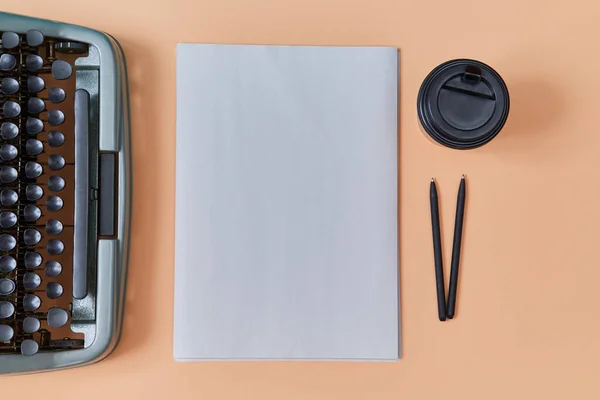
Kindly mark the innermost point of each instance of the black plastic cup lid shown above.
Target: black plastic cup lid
(463, 104)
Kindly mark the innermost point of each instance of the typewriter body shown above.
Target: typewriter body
(65, 193)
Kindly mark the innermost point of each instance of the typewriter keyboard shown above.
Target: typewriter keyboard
(43, 137)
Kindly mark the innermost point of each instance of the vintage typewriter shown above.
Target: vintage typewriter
(65, 194)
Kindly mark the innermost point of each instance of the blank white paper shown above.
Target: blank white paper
(286, 237)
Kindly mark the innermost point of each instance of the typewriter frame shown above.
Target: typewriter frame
(112, 255)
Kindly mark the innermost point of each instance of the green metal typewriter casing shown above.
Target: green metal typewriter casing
(65, 194)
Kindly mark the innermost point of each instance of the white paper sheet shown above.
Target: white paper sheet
(286, 203)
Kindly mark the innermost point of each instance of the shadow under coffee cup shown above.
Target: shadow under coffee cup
(463, 104)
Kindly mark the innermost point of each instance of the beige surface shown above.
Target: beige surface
(527, 324)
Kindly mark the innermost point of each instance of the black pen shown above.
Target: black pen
(437, 251)
(458, 227)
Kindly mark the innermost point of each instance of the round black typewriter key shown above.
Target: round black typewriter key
(10, 40)
(33, 126)
(55, 117)
(33, 147)
(8, 130)
(7, 62)
(61, 70)
(33, 62)
(9, 85)
(35, 105)
(30, 301)
(34, 192)
(34, 37)
(8, 197)
(56, 183)
(31, 281)
(53, 268)
(54, 227)
(71, 47)
(56, 95)
(8, 174)
(31, 236)
(55, 247)
(31, 324)
(33, 170)
(54, 290)
(11, 109)
(8, 152)
(7, 264)
(6, 333)
(56, 139)
(35, 84)
(32, 213)
(55, 162)
(7, 242)
(32, 260)
(6, 287)
(54, 203)
(7, 219)
(29, 347)
(6, 309)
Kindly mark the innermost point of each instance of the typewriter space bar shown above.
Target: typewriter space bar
(82, 190)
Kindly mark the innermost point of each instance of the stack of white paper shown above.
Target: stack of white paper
(286, 203)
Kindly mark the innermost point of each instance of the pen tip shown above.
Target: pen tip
(463, 177)
(432, 180)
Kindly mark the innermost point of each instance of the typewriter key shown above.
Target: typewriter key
(6, 287)
(35, 84)
(7, 264)
(7, 62)
(10, 40)
(33, 147)
(33, 170)
(56, 183)
(35, 105)
(8, 130)
(31, 236)
(8, 174)
(33, 126)
(6, 309)
(56, 94)
(7, 219)
(56, 139)
(54, 227)
(7, 242)
(34, 192)
(53, 268)
(8, 152)
(31, 213)
(29, 347)
(30, 301)
(57, 317)
(54, 290)
(6, 333)
(33, 62)
(32, 260)
(61, 69)
(31, 281)
(55, 117)
(9, 85)
(11, 109)
(55, 162)
(54, 203)
(55, 247)
(34, 38)
(31, 324)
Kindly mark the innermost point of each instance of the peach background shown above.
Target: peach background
(528, 325)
